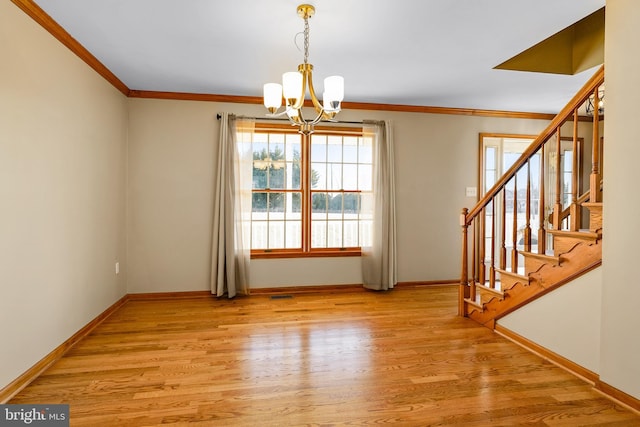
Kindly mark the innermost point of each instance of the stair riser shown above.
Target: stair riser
(507, 282)
(595, 220)
(563, 245)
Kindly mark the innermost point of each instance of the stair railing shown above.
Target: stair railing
(484, 246)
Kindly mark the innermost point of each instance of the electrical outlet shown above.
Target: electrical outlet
(117, 268)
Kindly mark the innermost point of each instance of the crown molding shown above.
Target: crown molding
(48, 23)
(345, 105)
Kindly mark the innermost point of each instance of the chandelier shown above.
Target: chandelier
(294, 87)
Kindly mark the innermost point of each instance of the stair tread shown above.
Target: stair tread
(581, 234)
(546, 256)
(519, 274)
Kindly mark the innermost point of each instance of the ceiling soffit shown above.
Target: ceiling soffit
(571, 50)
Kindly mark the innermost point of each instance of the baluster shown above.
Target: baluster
(463, 291)
(595, 193)
(503, 246)
(514, 252)
(542, 233)
(557, 210)
(527, 207)
(492, 267)
(474, 280)
(474, 253)
(574, 212)
(482, 218)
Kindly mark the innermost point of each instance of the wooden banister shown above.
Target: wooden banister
(489, 242)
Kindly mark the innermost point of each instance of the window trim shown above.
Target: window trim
(306, 251)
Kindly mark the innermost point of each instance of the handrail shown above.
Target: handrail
(595, 81)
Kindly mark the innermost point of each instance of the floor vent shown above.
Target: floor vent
(281, 296)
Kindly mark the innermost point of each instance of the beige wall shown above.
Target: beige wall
(620, 353)
(172, 152)
(63, 136)
(557, 321)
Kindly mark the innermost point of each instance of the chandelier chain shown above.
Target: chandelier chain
(306, 39)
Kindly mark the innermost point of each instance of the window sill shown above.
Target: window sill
(314, 254)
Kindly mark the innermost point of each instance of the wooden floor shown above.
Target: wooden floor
(400, 358)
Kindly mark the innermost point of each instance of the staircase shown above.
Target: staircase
(500, 276)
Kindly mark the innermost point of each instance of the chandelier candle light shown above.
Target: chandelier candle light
(294, 87)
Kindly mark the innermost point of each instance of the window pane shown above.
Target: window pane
(365, 177)
(334, 234)
(293, 144)
(294, 206)
(319, 176)
(318, 234)
(490, 179)
(490, 158)
(335, 205)
(293, 232)
(259, 203)
(318, 148)
(334, 176)
(276, 142)
(293, 176)
(276, 234)
(261, 137)
(350, 149)
(319, 204)
(259, 171)
(259, 234)
(365, 233)
(351, 205)
(276, 176)
(350, 177)
(334, 149)
(366, 206)
(365, 153)
(276, 203)
(350, 234)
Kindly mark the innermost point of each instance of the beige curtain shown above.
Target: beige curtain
(231, 247)
(379, 267)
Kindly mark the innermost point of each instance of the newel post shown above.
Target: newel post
(464, 288)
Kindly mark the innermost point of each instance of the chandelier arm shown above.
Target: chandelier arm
(276, 114)
(300, 117)
(314, 99)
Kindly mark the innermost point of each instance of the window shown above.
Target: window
(311, 193)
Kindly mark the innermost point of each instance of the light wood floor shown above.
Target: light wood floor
(400, 358)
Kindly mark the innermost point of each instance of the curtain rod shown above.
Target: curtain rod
(219, 116)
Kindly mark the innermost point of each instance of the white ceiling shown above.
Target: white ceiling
(410, 52)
